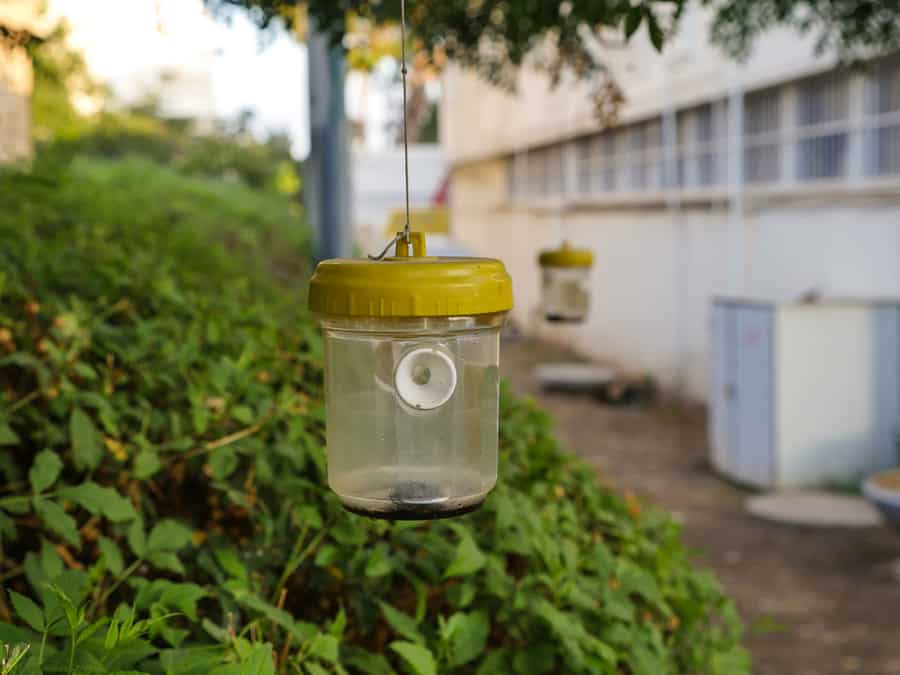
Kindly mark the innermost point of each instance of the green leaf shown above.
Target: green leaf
(338, 624)
(403, 624)
(183, 597)
(243, 414)
(280, 617)
(349, 532)
(166, 560)
(51, 563)
(467, 560)
(327, 555)
(87, 448)
(45, 470)
(223, 462)
(7, 528)
(28, 611)
(191, 660)
(146, 464)
(111, 555)
(231, 563)
(324, 647)
(497, 662)
(466, 635)
(633, 21)
(137, 540)
(657, 37)
(168, 535)
(7, 435)
(418, 659)
(100, 500)
(57, 520)
(365, 661)
(13, 635)
(112, 636)
(259, 661)
(537, 659)
(378, 564)
(314, 669)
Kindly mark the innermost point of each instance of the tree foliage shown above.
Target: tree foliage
(495, 36)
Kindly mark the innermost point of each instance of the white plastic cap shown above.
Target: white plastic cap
(425, 378)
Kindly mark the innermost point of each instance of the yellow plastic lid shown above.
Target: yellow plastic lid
(566, 256)
(410, 286)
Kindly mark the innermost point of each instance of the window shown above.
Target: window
(596, 163)
(762, 136)
(641, 163)
(626, 159)
(822, 127)
(815, 122)
(882, 122)
(554, 174)
(537, 174)
(701, 146)
(518, 176)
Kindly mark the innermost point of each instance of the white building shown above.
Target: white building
(16, 80)
(771, 178)
(378, 187)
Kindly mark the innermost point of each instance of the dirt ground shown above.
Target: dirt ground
(815, 601)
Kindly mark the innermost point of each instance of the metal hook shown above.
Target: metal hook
(393, 242)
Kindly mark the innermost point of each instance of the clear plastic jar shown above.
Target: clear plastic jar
(566, 293)
(412, 413)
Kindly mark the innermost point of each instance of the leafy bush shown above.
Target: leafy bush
(231, 155)
(165, 507)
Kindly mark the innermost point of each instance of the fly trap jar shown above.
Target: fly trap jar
(566, 273)
(412, 346)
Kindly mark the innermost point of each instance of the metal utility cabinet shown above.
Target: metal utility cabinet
(804, 394)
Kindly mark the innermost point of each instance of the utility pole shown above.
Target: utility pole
(327, 174)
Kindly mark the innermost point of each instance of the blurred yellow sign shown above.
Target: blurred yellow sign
(427, 221)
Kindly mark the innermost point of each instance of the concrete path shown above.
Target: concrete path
(816, 601)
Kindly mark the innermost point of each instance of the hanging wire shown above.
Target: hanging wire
(403, 71)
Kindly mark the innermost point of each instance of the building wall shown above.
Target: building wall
(15, 83)
(656, 270)
(378, 188)
(709, 196)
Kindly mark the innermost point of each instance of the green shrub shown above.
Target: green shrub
(165, 507)
(233, 156)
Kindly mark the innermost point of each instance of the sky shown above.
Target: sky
(218, 67)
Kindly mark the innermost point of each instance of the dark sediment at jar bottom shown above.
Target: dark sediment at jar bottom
(414, 500)
(557, 318)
